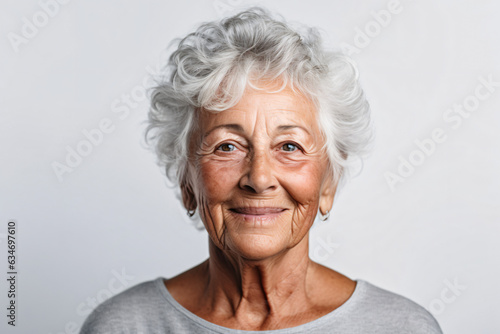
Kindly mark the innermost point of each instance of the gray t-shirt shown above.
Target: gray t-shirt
(149, 308)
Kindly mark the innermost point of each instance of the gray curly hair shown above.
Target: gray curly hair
(212, 66)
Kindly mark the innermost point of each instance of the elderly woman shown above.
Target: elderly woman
(258, 123)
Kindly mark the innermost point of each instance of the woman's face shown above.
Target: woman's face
(261, 173)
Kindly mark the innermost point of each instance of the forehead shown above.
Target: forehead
(285, 106)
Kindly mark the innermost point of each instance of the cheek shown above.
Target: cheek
(218, 179)
(303, 183)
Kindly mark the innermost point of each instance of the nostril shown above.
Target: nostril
(249, 188)
(258, 184)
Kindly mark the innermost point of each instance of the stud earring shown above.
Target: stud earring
(191, 213)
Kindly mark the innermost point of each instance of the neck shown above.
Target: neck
(258, 290)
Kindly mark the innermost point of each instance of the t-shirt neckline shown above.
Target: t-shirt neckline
(327, 318)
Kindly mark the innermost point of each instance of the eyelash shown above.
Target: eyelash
(225, 144)
(297, 147)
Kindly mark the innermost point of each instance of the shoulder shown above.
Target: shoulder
(381, 306)
(126, 310)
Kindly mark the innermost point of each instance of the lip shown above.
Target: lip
(258, 217)
(258, 211)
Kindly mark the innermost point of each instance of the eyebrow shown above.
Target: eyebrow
(283, 128)
(232, 126)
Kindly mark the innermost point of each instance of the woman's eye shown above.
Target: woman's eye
(226, 147)
(289, 147)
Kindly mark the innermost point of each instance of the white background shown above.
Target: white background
(113, 213)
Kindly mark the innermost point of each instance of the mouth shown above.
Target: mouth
(258, 211)
(258, 216)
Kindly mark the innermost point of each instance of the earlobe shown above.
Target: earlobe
(327, 197)
(188, 198)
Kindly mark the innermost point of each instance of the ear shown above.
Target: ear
(327, 195)
(186, 184)
(188, 198)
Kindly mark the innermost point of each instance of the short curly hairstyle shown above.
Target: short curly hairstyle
(213, 65)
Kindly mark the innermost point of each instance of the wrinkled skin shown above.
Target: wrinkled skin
(265, 152)
(260, 175)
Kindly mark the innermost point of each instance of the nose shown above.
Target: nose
(260, 177)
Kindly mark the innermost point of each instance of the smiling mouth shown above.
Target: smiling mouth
(257, 211)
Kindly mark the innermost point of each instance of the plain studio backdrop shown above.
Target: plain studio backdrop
(95, 214)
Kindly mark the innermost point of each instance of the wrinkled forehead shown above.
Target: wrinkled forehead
(265, 105)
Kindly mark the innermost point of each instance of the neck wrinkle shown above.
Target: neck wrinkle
(271, 287)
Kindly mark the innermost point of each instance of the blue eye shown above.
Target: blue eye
(226, 147)
(289, 147)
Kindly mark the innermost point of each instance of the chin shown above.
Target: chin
(256, 247)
